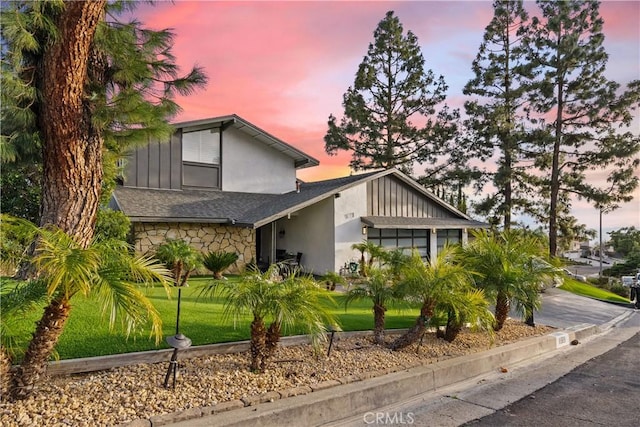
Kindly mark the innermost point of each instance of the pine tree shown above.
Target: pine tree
(81, 88)
(495, 112)
(577, 110)
(390, 113)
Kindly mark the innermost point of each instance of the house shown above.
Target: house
(223, 184)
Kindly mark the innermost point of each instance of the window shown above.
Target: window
(450, 237)
(202, 146)
(406, 239)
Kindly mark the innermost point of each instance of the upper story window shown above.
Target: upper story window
(201, 146)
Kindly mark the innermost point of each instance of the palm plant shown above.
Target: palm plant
(362, 248)
(510, 267)
(180, 258)
(538, 271)
(375, 253)
(217, 262)
(331, 278)
(466, 305)
(430, 284)
(378, 288)
(106, 270)
(280, 303)
(395, 260)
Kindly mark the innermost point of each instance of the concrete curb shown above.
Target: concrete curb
(325, 403)
(100, 363)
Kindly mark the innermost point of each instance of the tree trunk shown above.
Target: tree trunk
(453, 328)
(363, 266)
(72, 147)
(258, 343)
(378, 320)
(502, 310)
(45, 337)
(529, 320)
(417, 330)
(5, 374)
(273, 338)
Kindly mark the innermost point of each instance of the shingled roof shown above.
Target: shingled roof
(248, 209)
(257, 209)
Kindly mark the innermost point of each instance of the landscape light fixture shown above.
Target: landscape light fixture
(177, 342)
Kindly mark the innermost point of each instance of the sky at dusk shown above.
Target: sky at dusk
(284, 66)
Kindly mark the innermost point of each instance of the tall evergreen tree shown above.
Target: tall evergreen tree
(80, 87)
(390, 113)
(578, 110)
(495, 110)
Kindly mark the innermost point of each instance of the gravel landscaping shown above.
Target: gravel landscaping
(122, 395)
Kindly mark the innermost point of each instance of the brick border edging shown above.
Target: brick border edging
(412, 379)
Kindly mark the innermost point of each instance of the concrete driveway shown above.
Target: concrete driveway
(562, 309)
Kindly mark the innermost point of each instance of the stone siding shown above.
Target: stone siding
(203, 237)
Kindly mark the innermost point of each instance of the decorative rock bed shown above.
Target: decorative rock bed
(122, 395)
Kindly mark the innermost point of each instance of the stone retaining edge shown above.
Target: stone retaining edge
(100, 363)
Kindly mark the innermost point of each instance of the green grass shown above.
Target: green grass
(587, 290)
(87, 333)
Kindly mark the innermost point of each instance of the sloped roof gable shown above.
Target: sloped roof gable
(301, 159)
(249, 209)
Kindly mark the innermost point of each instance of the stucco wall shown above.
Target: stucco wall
(349, 207)
(310, 231)
(203, 237)
(251, 166)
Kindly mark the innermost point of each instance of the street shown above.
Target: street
(605, 391)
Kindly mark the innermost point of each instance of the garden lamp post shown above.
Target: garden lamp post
(177, 342)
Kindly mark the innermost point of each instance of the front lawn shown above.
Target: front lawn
(87, 333)
(587, 290)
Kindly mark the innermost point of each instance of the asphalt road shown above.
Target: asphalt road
(604, 391)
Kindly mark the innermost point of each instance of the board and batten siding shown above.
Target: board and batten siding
(156, 165)
(389, 196)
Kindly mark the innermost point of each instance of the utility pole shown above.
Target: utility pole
(600, 251)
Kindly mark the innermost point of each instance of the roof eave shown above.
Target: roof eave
(316, 199)
(301, 159)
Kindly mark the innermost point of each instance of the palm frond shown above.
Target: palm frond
(64, 264)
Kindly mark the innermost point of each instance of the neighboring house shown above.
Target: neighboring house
(224, 184)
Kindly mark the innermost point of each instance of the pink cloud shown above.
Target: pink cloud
(621, 20)
(285, 65)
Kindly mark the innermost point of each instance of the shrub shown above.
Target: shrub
(600, 282)
(618, 289)
(112, 224)
(217, 262)
(332, 279)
